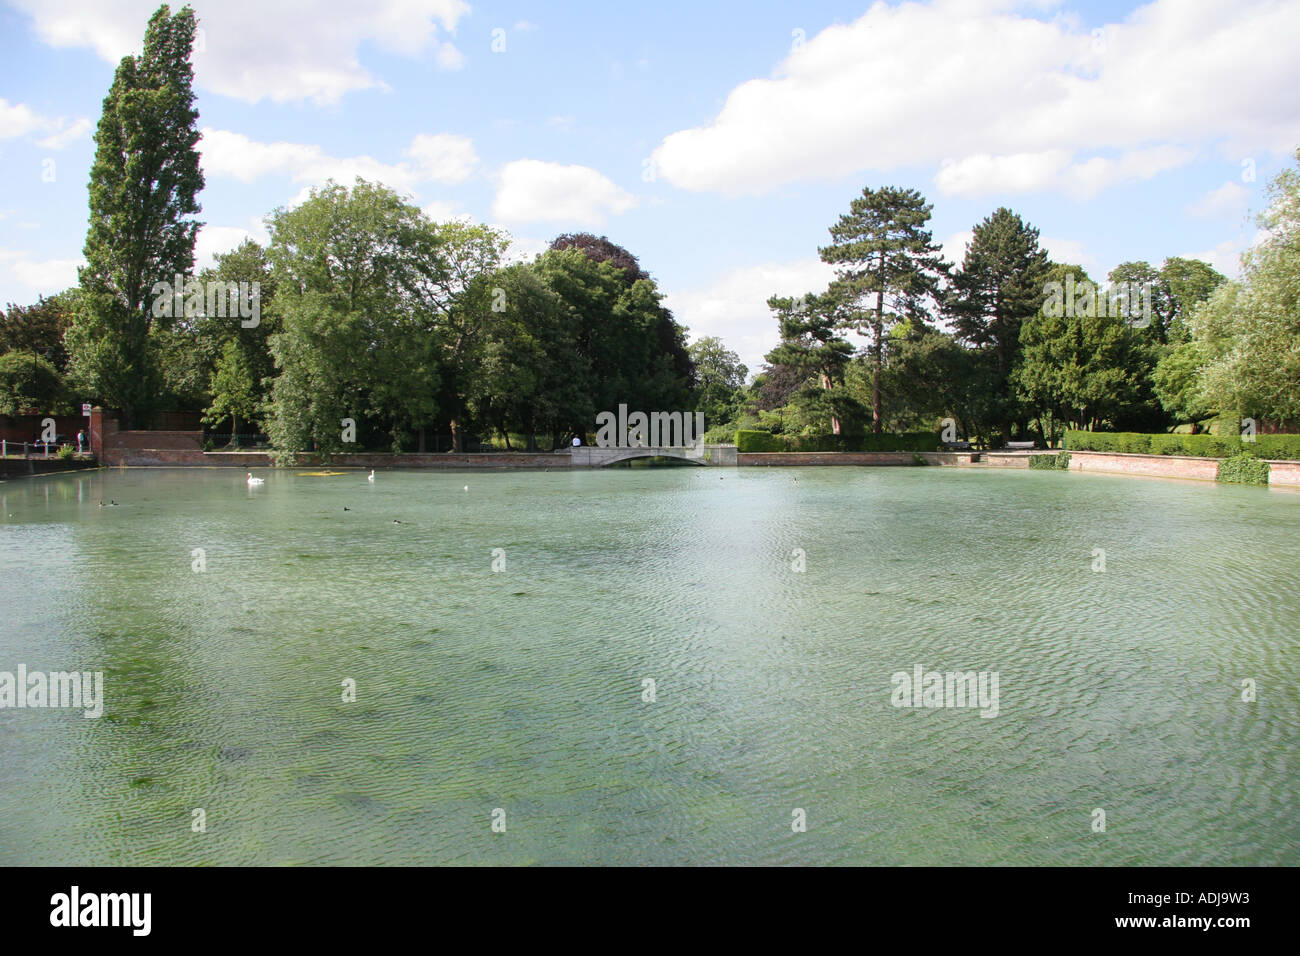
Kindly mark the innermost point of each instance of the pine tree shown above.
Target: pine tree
(999, 285)
(143, 185)
(810, 340)
(887, 263)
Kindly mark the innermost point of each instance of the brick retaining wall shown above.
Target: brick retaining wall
(1159, 466)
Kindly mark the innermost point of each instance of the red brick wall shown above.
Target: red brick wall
(1161, 466)
(188, 441)
(24, 428)
(1285, 474)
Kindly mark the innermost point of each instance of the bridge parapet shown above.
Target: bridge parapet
(593, 456)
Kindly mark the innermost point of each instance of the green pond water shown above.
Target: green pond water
(522, 690)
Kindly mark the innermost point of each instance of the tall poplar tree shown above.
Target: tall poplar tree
(887, 266)
(143, 188)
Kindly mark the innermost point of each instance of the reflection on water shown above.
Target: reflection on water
(522, 689)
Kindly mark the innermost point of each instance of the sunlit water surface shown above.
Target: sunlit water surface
(523, 689)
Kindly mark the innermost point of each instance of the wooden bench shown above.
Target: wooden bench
(1020, 445)
(956, 446)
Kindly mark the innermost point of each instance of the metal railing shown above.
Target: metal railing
(39, 449)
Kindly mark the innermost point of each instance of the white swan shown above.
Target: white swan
(255, 481)
(371, 476)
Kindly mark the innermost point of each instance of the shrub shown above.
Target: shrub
(1243, 469)
(748, 440)
(1199, 446)
(751, 440)
(1277, 446)
(1057, 462)
(66, 453)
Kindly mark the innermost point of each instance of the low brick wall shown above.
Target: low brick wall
(186, 441)
(1158, 466)
(23, 468)
(259, 459)
(780, 458)
(1284, 474)
(1011, 459)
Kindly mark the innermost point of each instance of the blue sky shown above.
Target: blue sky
(716, 141)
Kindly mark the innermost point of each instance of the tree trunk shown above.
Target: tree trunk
(835, 422)
(421, 444)
(234, 430)
(877, 353)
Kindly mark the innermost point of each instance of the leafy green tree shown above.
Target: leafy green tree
(469, 252)
(1079, 369)
(1249, 332)
(1145, 286)
(601, 249)
(721, 376)
(887, 267)
(999, 286)
(235, 392)
(360, 278)
(627, 343)
(1187, 283)
(928, 377)
(39, 327)
(143, 187)
(529, 368)
(30, 382)
(1177, 381)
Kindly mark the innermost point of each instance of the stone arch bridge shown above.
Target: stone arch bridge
(593, 456)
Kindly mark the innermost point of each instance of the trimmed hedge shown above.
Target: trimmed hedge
(1196, 446)
(750, 439)
(1277, 447)
(1057, 462)
(754, 440)
(1243, 469)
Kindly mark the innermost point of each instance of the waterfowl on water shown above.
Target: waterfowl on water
(371, 476)
(255, 481)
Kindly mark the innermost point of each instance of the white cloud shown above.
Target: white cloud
(1229, 201)
(735, 307)
(67, 136)
(1072, 252)
(23, 278)
(17, 119)
(221, 239)
(526, 26)
(524, 248)
(226, 153)
(443, 157)
(1006, 99)
(954, 247)
(253, 50)
(984, 175)
(1226, 257)
(441, 210)
(531, 191)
